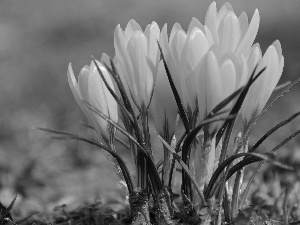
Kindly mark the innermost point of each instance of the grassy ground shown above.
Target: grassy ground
(37, 41)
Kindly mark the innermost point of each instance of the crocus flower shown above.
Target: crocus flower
(209, 62)
(91, 89)
(183, 51)
(262, 88)
(137, 60)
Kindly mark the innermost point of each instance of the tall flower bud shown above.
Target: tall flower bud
(91, 88)
(137, 60)
(261, 90)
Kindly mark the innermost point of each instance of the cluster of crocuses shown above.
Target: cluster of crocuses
(187, 73)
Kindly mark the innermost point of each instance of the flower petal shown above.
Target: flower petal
(228, 77)
(244, 23)
(131, 27)
(195, 23)
(212, 21)
(229, 33)
(250, 35)
(138, 51)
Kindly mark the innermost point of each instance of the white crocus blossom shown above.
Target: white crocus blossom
(91, 88)
(163, 105)
(137, 58)
(262, 88)
(225, 67)
(183, 51)
(209, 62)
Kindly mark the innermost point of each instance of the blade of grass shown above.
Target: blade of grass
(282, 86)
(114, 72)
(275, 128)
(258, 156)
(181, 109)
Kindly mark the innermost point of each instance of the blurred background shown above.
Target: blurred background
(39, 38)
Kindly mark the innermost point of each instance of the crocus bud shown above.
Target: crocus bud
(137, 60)
(262, 88)
(91, 88)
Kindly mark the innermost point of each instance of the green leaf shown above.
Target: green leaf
(266, 135)
(253, 157)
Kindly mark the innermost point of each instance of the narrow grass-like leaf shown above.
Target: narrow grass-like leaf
(275, 128)
(126, 112)
(258, 156)
(122, 143)
(245, 193)
(122, 130)
(70, 136)
(114, 72)
(153, 176)
(181, 110)
(282, 86)
(184, 167)
(249, 160)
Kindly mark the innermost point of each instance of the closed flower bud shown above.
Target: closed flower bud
(91, 88)
(137, 60)
(262, 88)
